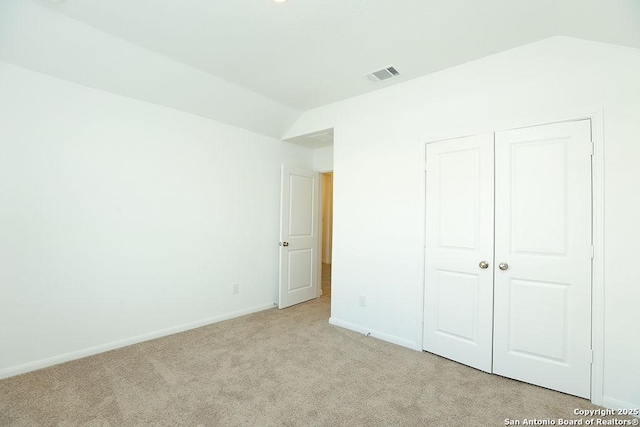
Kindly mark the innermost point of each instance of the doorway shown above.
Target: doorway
(327, 232)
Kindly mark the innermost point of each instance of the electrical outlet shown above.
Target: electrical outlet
(363, 301)
(235, 288)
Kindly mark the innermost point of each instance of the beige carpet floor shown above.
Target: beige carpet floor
(273, 368)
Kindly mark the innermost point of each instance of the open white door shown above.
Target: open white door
(299, 240)
(543, 251)
(459, 250)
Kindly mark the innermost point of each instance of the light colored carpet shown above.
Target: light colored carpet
(273, 368)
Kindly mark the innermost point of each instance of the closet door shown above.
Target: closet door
(543, 253)
(459, 250)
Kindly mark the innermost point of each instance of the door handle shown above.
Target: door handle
(283, 243)
(503, 266)
(483, 265)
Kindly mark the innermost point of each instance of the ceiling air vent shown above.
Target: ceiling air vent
(384, 74)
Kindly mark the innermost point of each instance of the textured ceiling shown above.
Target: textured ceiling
(308, 53)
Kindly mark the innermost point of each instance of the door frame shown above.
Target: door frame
(596, 115)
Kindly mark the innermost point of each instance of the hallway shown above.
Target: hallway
(326, 279)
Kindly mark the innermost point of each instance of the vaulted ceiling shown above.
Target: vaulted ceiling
(308, 53)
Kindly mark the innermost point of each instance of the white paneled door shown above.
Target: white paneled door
(298, 236)
(508, 254)
(543, 249)
(459, 237)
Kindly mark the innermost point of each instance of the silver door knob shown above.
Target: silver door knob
(483, 265)
(503, 266)
(285, 243)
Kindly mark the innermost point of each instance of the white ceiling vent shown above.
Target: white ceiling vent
(383, 74)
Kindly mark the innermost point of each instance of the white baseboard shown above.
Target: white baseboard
(610, 403)
(376, 334)
(55, 360)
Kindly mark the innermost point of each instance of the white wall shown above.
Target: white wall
(36, 37)
(377, 248)
(323, 159)
(123, 220)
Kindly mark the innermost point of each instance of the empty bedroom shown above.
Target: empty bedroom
(319, 212)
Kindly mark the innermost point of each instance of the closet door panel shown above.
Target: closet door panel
(542, 329)
(459, 236)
